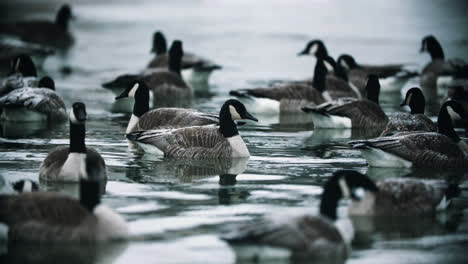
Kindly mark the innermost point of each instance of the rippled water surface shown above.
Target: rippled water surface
(177, 209)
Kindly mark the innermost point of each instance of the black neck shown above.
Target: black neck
(62, 21)
(77, 138)
(320, 73)
(141, 105)
(321, 52)
(89, 194)
(444, 122)
(436, 51)
(227, 127)
(175, 64)
(373, 94)
(330, 197)
(341, 72)
(417, 105)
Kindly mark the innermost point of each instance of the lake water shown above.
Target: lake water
(177, 209)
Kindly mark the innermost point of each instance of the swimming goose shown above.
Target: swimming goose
(49, 216)
(291, 96)
(44, 32)
(414, 121)
(309, 235)
(22, 74)
(403, 197)
(189, 60)
(143, 119)
(439, 66)
(167, 84)
(10, 49)
(25, 185)
(349, 112)
(420, 149)
(199, 142)
(382, 71)
(31, 104)
(64, 163)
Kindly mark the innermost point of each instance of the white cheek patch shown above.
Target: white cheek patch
(27, 187)
(344, 64)
(453, 115)
(17, 64)
(344, 188)
(313, 49)
(133, 90)
(234, 114)
(408, 99)
(73, 117)
(328, 66)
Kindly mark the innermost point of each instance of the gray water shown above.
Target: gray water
(177, 209)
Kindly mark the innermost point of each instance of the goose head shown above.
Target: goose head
(347, 62)
(46, 82)
(432, 46)
(140, 92)
(78, 115)
(415, 100)
(63, 16)
(23, 64)
(450, 112)
(315, 48)
(232, 110)
(344, 184)
(159, 43)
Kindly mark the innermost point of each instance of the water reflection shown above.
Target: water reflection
(16, 130)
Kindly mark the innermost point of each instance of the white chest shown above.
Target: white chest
(73, 168)
(131, 124)
(239, 149)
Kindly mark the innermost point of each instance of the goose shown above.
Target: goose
(41, 104)
(25, 185)
(64, 163)
(163, 83)
(49, 216)
(54, 33)
(439, 66)
(144, 119)
(441, 150)
(382, 71)
(189, 60)
(10, 49)
(199, 142)
(351, 112)
(413, 121)
(315, 48)
(290, 97)
(308, 235)
(403, 197)
(22, 74)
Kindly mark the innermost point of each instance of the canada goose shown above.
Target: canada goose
(199, 142)
(25, 185)
(64, 163)
(309, 235)
(189, 60)
(34, 104)
(315, 48)
(294, 95)
(382, 71)
(349, 112)
(404, 197)
(10, 49)
(439, 66)
(143, 119)
(44, 32)
(420, 149)
(48, 216)
(414, 121)
(166, 84)
(22, 74)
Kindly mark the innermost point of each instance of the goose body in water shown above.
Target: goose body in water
(308, 235)
(441, 150)
(199, 142)
(34, 104)
(22, 74)
(144, 119)
(65, 163)
(48, 216)
(55, 33)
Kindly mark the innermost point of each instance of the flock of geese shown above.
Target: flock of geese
(340, 94)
